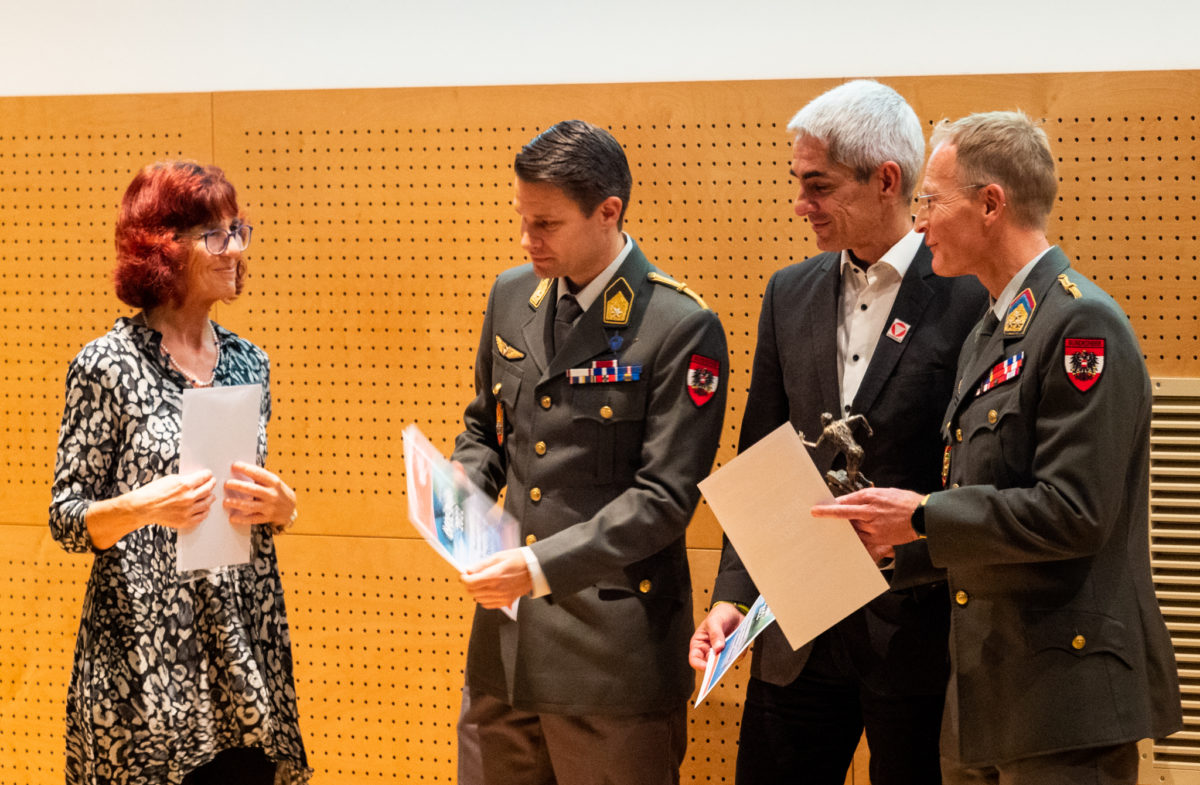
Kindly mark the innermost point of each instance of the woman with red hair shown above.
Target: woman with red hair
(179, 678)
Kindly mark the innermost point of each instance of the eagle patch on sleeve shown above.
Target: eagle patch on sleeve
(1083, 359)
(703, 376)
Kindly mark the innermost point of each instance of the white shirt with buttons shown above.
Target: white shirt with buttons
(866, 301)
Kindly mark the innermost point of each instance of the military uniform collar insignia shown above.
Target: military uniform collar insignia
(618, 303)
(539, 294)
(1020, 311)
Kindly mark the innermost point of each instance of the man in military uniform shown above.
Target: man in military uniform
(1060, 658)
(865, 330)
(600, 391)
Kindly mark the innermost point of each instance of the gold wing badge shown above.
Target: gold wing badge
(508, 352)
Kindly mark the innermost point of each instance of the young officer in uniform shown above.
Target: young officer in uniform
(600, 392)
(1060, 658)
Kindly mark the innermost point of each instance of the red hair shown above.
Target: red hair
(164, 201)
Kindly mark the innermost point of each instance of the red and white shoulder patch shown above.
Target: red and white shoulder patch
(1083, 359)
(703, 376)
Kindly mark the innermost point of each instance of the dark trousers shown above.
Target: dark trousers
(806, 732)
(1117, 765)
(523, 748)
(238, 766)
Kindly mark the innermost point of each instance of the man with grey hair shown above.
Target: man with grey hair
(1060, 660)
(864, 328)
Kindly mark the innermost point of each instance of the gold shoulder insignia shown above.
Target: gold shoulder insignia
(507, 351)
(539, 294)
(659, 278)
(1071, 288)
(618, 303)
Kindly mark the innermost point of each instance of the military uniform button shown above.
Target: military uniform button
(530, 539)
(992, 417)
(954, 485)
(540, 448)
(535, 494)
(606, 412)
(496, 388)
(958, 434)
(546, 402)
(961, 597)
(1078, 642)
(644, 586)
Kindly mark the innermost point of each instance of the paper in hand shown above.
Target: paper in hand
(220, 426)
(813, 572)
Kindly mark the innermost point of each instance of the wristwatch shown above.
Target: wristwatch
(918, 517)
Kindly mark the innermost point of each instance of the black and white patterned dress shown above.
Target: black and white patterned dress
(169, 669)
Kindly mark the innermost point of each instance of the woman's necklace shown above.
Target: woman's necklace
(192, 380)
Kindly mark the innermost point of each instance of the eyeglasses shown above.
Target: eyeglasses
(925, 200)
(217, 240)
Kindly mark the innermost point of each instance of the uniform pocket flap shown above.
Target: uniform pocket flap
(1079, 633)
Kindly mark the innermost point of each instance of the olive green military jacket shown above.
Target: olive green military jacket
(1056, 638)
(602, 476)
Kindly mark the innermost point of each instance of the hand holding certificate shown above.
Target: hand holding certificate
(220, 427)
(813, 573)
(461, 522)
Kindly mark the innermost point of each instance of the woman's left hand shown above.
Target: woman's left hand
(264, 498)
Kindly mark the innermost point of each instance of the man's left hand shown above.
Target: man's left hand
(499, 579)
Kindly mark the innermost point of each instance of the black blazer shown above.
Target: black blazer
(898, 641)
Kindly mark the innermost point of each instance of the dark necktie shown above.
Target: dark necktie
(565, 314)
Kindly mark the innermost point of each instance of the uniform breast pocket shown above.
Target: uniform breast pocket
(506, 387)
(995, 434)
(610, 419)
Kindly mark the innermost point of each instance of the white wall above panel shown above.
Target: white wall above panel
(72, 47)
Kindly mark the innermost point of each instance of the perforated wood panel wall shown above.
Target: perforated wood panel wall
(381, 218)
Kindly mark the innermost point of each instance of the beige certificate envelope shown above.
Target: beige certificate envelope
(812, 572)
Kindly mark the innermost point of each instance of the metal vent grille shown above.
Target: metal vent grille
(1175, 558)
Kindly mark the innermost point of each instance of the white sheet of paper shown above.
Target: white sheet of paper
(812, 572)
(220, 426)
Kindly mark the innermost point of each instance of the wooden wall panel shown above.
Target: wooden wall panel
(64, 163)
(381, 218)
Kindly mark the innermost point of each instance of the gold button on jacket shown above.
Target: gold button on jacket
(530, 539)
(546, 402)
(644, 586)
(540, 448)
(1078, 642)
(961, 597)
(535, 494)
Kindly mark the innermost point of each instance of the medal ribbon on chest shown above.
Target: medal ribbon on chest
(604, 371)
(1002, 372)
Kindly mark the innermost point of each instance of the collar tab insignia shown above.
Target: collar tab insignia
(618, 303)
(539, 294)
(1016, 320)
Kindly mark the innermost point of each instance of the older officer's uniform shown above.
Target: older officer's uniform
(1043, 530)
(600, 442)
